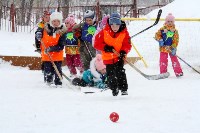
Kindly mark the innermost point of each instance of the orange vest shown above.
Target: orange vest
(115, 42)
(51, 41)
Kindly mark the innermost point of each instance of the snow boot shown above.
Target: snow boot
(179, 75)
(124, 93)
(115, 92)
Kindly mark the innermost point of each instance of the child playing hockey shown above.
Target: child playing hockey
(86, 30)
(95, 76)
(168, 39)
(45, 19)
(72, 48)
(52, 37)
(114, 37)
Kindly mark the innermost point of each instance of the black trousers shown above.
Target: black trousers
(50, 73)
(116, 77)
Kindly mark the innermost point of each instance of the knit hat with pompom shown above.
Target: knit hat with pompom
(70, 19)
(170, 17)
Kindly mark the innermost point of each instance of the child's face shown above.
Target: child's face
(89, 21)
(46, 18)
(56, 23)
(114, 27)
(103, 71)
(170, 23)
(68, 25)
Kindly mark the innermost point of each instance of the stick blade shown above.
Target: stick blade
(159, 76)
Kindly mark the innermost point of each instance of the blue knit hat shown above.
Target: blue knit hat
(115, 19)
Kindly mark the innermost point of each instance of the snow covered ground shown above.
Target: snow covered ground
(170, 105)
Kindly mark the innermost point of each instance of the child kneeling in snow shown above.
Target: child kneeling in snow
(95, 76)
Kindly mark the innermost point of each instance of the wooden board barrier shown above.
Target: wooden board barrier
(34, 63)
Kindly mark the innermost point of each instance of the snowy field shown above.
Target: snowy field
(170, 105)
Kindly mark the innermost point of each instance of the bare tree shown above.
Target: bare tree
(22, 16)
(65, 10)
(29, 12)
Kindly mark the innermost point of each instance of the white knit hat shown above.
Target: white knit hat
(89, 14)
(56, 15)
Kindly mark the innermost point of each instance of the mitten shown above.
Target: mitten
(173, 51)
(78, 82)
(108, 48)
(38, 36)
(101, 85)
(161, 42)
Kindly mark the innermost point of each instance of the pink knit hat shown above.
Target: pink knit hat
(170, 17)
(70, 20)
(104, 20)
(99, 63)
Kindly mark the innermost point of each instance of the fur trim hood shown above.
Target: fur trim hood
(60, 30)
(95, 73)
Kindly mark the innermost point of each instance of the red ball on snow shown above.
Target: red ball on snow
(114, 117)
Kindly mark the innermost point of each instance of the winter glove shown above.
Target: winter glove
(101, 85)
(108, 48)
(38, 36)
(173, 51)
(47, 50)
(121, 57)
(78, 82)
(161, 42)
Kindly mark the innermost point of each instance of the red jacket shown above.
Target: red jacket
(120, 41)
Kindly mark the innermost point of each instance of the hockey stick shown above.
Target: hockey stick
(88, 50)
(155, 23)
(54, 66)
(187, 64)
(149, 77)
(92, 92)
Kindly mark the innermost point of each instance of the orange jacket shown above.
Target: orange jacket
(49, 41)
(115, 42)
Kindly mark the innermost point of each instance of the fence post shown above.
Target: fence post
(12, 15)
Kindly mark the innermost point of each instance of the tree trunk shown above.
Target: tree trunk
(135, 8)
(65, 10)
(37, 15)
(22, 16)
(59, 4)
(29, 12)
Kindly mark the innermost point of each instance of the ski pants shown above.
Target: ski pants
(87, 52)
(164, 63)
(74, 61)
(116, 77)
(50, 73)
